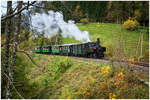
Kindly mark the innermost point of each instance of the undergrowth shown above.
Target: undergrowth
(70, 78)
(59, 66)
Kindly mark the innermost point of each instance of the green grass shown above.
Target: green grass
(39, 82)
(110, 34)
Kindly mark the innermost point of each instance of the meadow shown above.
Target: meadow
(115, 38)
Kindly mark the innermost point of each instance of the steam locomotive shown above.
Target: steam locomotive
(89, 49)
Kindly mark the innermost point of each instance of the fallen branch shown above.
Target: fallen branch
(29, 57)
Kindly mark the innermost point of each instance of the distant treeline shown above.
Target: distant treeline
(94, 11)
(103, 11)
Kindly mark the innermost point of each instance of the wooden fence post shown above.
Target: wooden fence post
(138, 44)
(141, 43)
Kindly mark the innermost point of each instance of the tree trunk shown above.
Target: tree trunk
(5, 71)
(15, 43)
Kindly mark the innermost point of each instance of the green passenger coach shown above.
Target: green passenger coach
(65, 49)
(37, 49)
(55, 49)
(46, 49)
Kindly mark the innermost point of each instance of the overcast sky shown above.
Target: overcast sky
(3, 7)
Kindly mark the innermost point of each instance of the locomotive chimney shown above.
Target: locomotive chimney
(98, 41)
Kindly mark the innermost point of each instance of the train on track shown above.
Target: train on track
(89, 49)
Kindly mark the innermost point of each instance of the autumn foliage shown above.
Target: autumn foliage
(131, 24)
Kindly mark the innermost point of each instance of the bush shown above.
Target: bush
(84, 20)
(59, 65)
(131, 24)
(109, 49)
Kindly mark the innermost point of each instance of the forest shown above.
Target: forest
(122, 26)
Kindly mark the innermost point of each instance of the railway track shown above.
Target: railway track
(142, 64)
(135, 63)
(138, 66)
(123, 61)
(108, 60)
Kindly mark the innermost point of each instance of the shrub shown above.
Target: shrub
(109, 49)
(59, 65)
(84, 20)
(131, 24)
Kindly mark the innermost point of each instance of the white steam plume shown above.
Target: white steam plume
(50, 23)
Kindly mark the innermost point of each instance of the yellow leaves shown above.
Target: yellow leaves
(119, 79)
(78, 92)
(103, 85)
(91, 79)
(112, 96)
(78, 7)
(125, 85)
(97, 26)
(83, 91)
(130, 24)
(105, 70)
(67, 57)
(121, 75)
(86, 91)
(117, 83)
(131, 62)
(139, 58)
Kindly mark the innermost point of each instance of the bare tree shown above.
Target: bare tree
(7, 72)
(15, 43)
(6, 50)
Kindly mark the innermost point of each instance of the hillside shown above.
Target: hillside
(75, 78)
(75, 50)
(78, 78)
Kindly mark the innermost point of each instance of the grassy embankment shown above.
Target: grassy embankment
(65, 77)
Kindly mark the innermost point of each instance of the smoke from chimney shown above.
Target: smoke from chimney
(50, 23)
